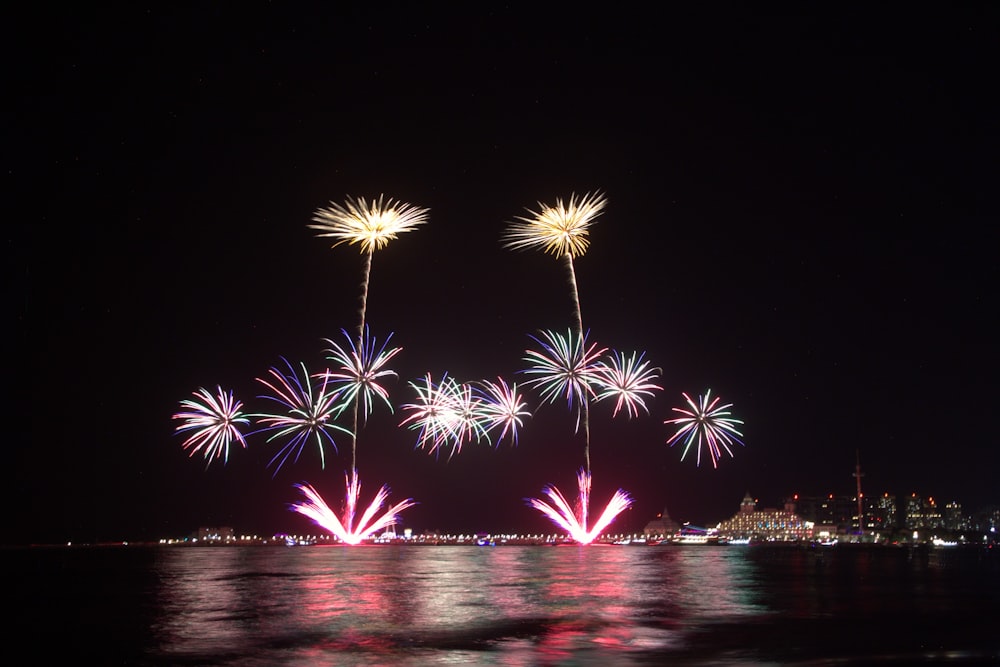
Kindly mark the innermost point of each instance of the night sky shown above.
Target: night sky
(801, 217)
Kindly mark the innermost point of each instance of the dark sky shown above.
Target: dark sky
(801, 216)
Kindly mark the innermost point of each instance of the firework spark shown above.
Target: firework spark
(309, 413)
(706, 424)
(565, 366)
(214, 422)
(574, 522)
(370, 225)
(447, 415)
(344, 527)
(361, 368)
(627, 379)
(558, 230)
(502, 408)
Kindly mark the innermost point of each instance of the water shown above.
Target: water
(504, 605)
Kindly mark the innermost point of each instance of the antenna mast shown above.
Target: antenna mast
(861, 516)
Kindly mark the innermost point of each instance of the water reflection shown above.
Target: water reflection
(204, 608)
(431, 605)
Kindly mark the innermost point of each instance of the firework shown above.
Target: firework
(574, 522)
(344, 527)
(627, 379)
(433, 414)
(568, 366)
(447, 415)
(502, 408)
(558, 230)
(563, 230)
(361, 368)
(309, 413)
(565, 366)
(214, 422)
(706, 424)
(370, 225)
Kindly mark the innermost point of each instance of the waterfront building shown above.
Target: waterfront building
(987, 519)
(954, 519)
(662, 526)
(765, 525)
(829, 510)
(922, 513)
(882, 513)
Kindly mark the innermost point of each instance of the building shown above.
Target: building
(662, 526)
(765, 525)
(922, 514)
(830, 510)
(882, 514)
(954, 519)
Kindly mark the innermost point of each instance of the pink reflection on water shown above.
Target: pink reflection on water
(419, 605)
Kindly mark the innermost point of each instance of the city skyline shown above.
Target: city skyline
(799, 219)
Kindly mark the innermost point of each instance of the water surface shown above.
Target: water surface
(508, 605)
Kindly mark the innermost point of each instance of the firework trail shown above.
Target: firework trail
(708, 424)
(562, 230)
(214, 422)
(568, 366)
(370, 225)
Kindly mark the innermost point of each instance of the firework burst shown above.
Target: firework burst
(449, 414)
(433, 413)
(214, 423)
(368, 224)
(344, 527)
(502, 408)
(446, 415)
(361, 369)
(557, 230)
(308, 414)
(627, 379)
(565, 366)
(705, 424)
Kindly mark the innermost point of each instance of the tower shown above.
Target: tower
(861, 514)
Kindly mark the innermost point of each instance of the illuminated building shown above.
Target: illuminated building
(661, 526)
(882, 513)
(922, 514)
(954, 519)
(765, 525)
(830, 510)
